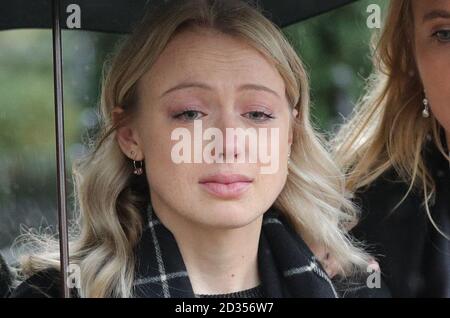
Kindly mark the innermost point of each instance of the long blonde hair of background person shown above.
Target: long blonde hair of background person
(109, 224)
(387, 129)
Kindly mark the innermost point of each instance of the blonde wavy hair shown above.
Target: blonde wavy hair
(110, 198)
(386, 129)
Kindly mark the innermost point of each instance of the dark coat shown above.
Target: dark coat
(413, 256)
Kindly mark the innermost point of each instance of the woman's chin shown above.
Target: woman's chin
(226, 216)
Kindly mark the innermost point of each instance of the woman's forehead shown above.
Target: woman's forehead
(212, 56)
(429, 10)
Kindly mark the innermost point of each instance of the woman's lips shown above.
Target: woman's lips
(226, 186)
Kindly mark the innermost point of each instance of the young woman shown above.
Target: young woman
(395, 149)
(150, 226)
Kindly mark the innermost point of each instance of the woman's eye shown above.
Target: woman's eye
(189, 115)
(259, 116)
(442, 35)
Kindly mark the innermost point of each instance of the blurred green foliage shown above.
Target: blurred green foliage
(335, 49)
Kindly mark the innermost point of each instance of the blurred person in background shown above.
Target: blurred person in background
(395, 150)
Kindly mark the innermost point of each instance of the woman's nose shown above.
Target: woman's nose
(233, 136)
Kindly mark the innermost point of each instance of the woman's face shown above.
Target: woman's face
(220, 82)
(432, 50)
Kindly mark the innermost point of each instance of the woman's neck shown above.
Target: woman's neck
(218, 261)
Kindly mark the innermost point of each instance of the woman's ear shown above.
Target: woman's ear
(295, 112)
(127, 136)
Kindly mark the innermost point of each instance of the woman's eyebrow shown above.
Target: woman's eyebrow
(258, 87)
(185, 85)
(436, 14)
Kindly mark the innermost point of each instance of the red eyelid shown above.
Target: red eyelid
(260, 108)
(264, 110)
(184, 108)
(440, 27)
(436, 30)
(193, 108)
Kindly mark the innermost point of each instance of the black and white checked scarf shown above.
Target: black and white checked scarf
(286, 265)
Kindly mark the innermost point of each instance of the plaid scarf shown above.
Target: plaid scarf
(286, 265)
